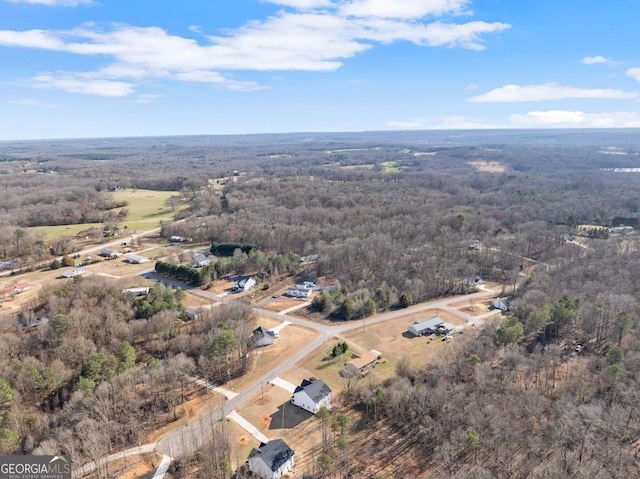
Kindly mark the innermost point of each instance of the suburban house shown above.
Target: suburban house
(271, 460)
(312, 395)
(135, 259)
(110, 253)
(177, 239)
(262, 337)
(73, 272)
(364, 362)
(298, 292)
(428, 326)
(503, 304)
(15, 289)
(243, 283)
(199, 261)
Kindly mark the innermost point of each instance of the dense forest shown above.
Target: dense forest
(392, 219)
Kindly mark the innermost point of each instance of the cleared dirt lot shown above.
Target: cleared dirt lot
(473, 308)
(280, 304)
(292, 338)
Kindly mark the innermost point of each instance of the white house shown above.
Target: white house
(135, 259)
(110, 253)
(298, 292)
(263, 337)
(199, 261)
(312, 395)
(243, 283)
(271, 460)
(73, 272)
(503, 304)
(427, 326)
(177, 239)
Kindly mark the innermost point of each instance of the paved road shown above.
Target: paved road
(187, 439)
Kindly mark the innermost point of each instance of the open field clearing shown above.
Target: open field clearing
(488, 166)
(473, 308)
(146, 209)
(278, 305)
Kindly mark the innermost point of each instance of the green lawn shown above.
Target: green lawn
(146, 210)
(391, 166)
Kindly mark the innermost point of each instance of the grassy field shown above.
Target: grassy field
(146, 210)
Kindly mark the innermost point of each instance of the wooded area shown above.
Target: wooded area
(390, 220)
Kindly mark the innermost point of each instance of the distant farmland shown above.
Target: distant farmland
(146, 209)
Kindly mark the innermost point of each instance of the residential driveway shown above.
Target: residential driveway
(247, 426)
(280, 327)
(162, 468)
(212, 387)
(286, 385)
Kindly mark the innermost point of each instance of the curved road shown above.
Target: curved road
(187, 439)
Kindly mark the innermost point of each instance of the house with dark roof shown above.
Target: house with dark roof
(243, 283)
(312, 395)
(271, 460)
(262, 337)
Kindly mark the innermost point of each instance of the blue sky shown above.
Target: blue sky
(85, 68)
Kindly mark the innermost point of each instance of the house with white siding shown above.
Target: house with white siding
(312, 395)
(271, 460)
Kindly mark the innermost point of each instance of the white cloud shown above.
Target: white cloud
(78, 83)
(55, 3)
(463, 123)
(597, 60)
(633, 73)
(302, 4)
(547, 91)
(413, 124)
(147, 98)
(575, 119)
(314, 38)
(36, 103)
(402, 8)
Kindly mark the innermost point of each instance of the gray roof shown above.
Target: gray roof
(427, 324)
(274, 453)
(316, 390)
(261, 332)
